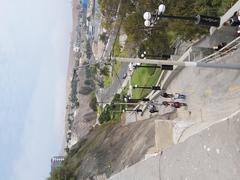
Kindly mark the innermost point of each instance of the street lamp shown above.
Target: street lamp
(147, 87)
(144, 55)
(136, 100)
(163, 67)
(134, 110)
(150, 19)
(182, 64)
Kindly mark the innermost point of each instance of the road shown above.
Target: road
(108, 93)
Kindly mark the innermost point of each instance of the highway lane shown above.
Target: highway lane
(108, 93)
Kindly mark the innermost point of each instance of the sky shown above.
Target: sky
(34, 46)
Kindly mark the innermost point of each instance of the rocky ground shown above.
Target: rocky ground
(109, 149)
(85, 117)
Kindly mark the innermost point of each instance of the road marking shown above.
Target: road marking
(234, 89)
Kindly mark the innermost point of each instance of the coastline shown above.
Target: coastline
(71, 58)
(83, 116)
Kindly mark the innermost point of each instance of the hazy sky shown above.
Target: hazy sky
(34, 45)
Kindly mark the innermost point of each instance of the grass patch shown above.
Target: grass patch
(109, 79)
(144, 77)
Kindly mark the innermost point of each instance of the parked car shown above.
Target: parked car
(125, 76)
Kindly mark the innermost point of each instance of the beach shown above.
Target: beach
(83, 116)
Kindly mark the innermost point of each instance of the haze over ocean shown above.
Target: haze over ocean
(34, 51)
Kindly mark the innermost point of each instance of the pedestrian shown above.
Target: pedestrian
(153, 109)
(238, 31)
(166, 95)
(219, 46)
(178, 104)
(179, 96)
(234, 20)
(165, 103)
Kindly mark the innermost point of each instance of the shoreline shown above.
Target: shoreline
(71, 58)
(82, 115)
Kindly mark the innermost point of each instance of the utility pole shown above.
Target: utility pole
(182, 64)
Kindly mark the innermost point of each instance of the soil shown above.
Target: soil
(110, 148)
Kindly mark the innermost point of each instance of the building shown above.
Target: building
(56, 162)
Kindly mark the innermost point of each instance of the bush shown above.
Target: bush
(86, 90)
(62, 173)
(105, 71)
(105, 115)
(104, 38)
(93, 102)
(89, 82)
(113, 111)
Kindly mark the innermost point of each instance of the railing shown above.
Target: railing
(224, 51)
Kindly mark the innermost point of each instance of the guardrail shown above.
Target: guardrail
(225, 50)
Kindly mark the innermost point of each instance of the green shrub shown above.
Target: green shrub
(86, 90)
(93, 102)
(105, 116)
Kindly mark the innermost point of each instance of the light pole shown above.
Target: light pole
(182, 64)
(163, 67)
(136, 100)
(144, 55)
(134, 110)
(150, 19)
(147, 87)
(129, 110)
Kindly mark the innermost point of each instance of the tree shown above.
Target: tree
(93, 102)
(105, 71)
(105, 116)
(104, 37)
(86, 90)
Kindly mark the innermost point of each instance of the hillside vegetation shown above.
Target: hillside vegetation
(158, 40)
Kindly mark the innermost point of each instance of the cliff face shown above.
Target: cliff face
(110, 148)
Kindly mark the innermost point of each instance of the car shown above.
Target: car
(125, 76)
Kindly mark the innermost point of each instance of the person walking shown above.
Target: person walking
(174, 104)
(153, 109)
(166, 95)
(219, 46)
(178, 104)
(234, 20)
(165, 103)
(179, 96)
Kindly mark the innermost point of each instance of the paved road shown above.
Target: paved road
(113, 33)
(108, 93)
(213, 154)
